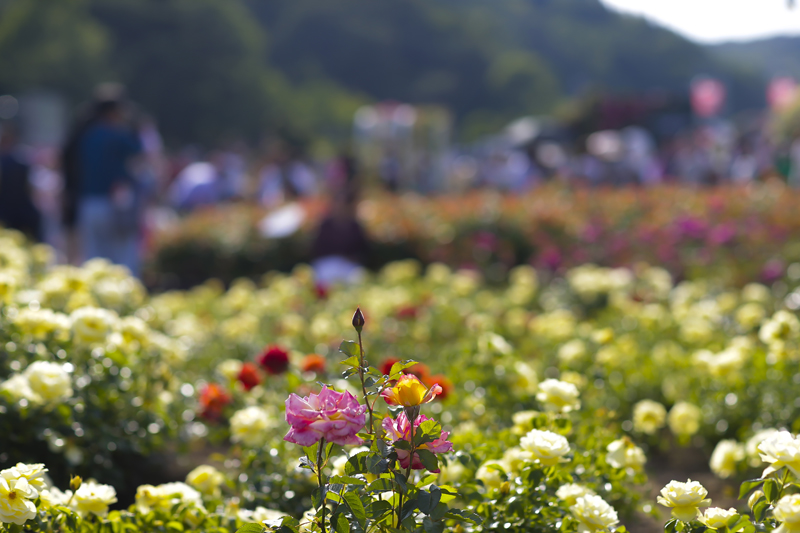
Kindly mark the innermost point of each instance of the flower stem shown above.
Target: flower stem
(410, 462)
(363, 385)
(319, 480)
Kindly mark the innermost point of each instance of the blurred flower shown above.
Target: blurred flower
(623, 453)
(716, 517)
(49, 381)
(249, 376)
(334, 416)
(781, 449)
(546, 447)
(684, 418)
(94, 498)
(230, 368)
(213, 399)
(558, 396)
(400, 429)
(92, 324)
(685, 499)
(751, 446)
(593, 514)
(251, 426)
(726, 458)
(570, 492)
(787, 511)
(648, 416)
(275, 360)
(205, 478)
(259, 515)
(409, 391)
(491, 474)
(386, 365)
(443, 382)
(572, 352)
(313, 363)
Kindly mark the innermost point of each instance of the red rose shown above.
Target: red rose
(213, 398)
(313, 363)
(249, 376)
(274, 360)
(443, 382)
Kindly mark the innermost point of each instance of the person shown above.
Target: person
(199, 184)
(341, 245)
(17, 210)
(285, 177)
(108, 215)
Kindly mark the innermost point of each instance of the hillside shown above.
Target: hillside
(211, 71)
(771, 57)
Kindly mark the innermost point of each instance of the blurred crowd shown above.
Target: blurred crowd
(112, 181)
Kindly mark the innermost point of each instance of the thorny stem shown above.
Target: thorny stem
(363, 385)
(319, 479)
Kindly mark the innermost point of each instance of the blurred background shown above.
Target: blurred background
(191, 106)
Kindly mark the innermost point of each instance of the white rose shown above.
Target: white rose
(94, 498)
(570, 492)
(751, 446)
(716, 517)
(787, 510)
(491, 473)
(684, 418)
(685, 499)
(205, 478)
(623, 453)
(781, 449)
(92, 324)
(726, 458)
(16, 506)
(251, 425)
(546, 447)
(594, 514)
(648, 416)
(17, 388)
(50, 381)
(558, 396)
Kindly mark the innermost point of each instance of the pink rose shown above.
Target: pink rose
(334, 416)
(400, 429)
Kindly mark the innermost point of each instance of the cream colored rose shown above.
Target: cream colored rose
(685, 499)
(50, 381)
(648, 416)
(750, 315)
(148, 498)
(94, 498)
(716, 517)
(594, 514)
(570, 492)
(558, 396)
(251, 426)
(781, 449)
(259, 515)
(182, 493)
(230, 369)
(205, 478)
(491, 474)
(16, 506)
(515, 458)
(34, 473)
(92, 325)
(787, 510)
(572, 352)
(546, 447)
(623, 453)
(781, 327)
(726, 458)
(18, 388)
(751, 446)
(684, 418)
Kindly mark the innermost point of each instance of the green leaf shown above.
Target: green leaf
(347, 480)
(378, 508)
(461, 514)
(356, 507)
(760, 509)
(428, 460)
(771, 490)
(429, 500)
(432, 527)
(251, 528)
(380, 485)
(426, 432)
(339, 523)
(748, 485)
(669, 527)
(177, 526)
(399, 366)
(350, 348)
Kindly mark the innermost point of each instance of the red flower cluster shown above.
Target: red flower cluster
(274, 360)
(249, 376)
(213, 399)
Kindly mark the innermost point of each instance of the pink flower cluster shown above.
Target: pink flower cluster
(400, 429)
(334, 416)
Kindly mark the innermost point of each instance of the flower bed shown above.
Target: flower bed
(451, 403)
(739, 235)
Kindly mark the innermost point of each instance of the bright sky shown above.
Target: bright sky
(712, 21)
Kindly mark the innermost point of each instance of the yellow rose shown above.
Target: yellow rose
(648, 416)
(205, 478)
(685, 499)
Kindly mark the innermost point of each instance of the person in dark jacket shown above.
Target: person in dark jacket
(17, 210)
